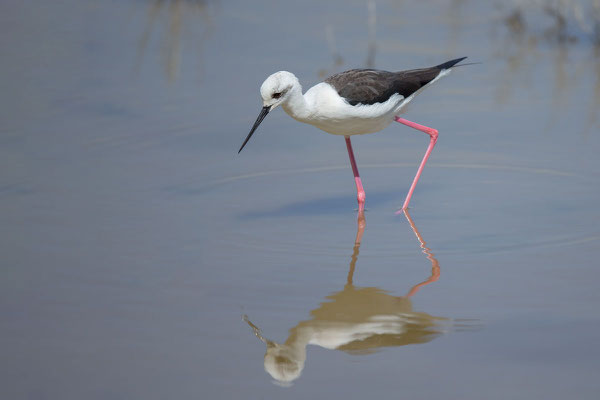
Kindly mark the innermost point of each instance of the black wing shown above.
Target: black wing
(370, 86)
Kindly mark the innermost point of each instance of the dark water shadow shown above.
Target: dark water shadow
(336, 205)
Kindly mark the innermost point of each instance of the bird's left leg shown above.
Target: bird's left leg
(360, 192)
(433, 135)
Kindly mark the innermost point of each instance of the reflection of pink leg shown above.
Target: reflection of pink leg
(360, 192)
(435, 265)
(433, 134)
(359, 234)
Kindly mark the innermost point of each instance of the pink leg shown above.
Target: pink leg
(433, 134)
(360, 192)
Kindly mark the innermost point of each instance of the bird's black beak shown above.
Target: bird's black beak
(263, 113)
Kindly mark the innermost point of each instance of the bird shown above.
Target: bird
(354, 102)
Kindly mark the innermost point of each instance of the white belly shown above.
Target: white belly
(353, 125)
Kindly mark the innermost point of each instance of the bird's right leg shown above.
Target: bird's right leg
(360, 192)
(433, 135)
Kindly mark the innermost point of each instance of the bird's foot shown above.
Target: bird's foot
(360, 196)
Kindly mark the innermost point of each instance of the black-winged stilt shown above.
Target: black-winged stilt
(354, 102)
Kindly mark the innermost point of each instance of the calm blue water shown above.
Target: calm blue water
(142, 257)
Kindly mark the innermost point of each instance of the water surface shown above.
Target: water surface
(143, 258)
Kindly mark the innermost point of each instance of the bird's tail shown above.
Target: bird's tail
(451, 63)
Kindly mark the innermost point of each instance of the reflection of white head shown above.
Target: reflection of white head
(284, 363)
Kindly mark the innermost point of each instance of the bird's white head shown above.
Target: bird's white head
(275, 90)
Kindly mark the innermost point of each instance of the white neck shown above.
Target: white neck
(296, 105)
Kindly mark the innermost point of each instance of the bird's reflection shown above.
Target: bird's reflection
(357, 320)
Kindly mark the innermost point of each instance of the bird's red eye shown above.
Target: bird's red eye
(276, 95)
